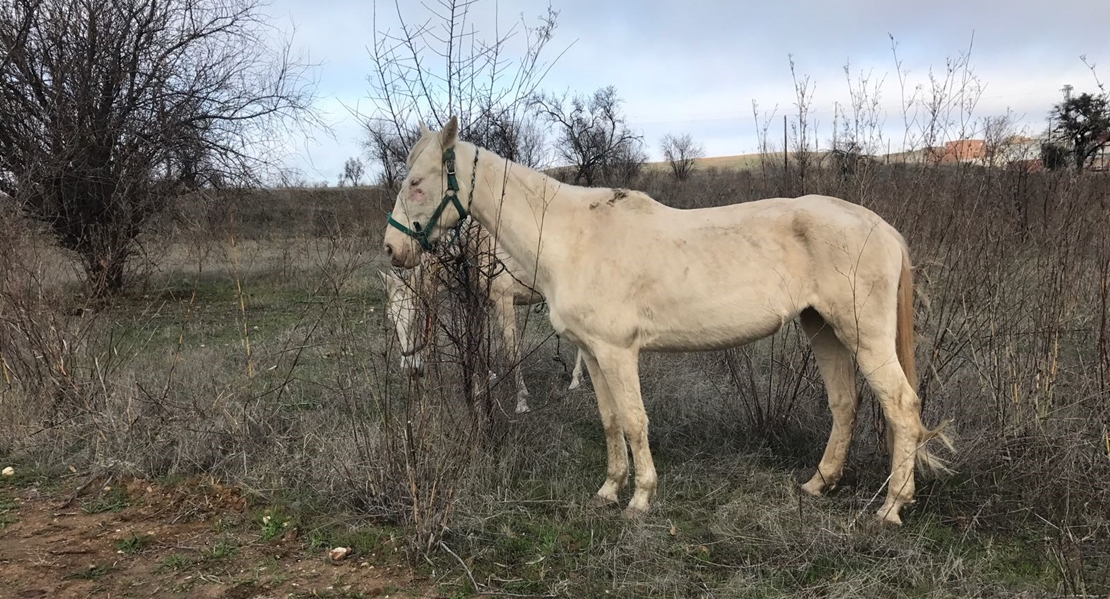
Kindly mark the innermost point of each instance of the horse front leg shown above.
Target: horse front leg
(620, 369)
(616, 451)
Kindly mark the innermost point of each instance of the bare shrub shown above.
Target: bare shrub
(113, 109)
(770, 381)
(593, 136)
(681, 152)
(480, 83)
(458, 408)
(43, 348)
(802, 130)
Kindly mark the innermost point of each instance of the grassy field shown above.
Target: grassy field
(723, 163)
(252, 348)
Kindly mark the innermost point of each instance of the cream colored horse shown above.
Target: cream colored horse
(506, 290)
(623, 273)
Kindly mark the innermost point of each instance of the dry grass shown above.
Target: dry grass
(739, 162)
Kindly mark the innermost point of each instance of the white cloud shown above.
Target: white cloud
(697, 66)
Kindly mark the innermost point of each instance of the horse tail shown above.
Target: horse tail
(904, 342)
(904, 347)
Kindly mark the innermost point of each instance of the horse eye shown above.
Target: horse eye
(415, 181)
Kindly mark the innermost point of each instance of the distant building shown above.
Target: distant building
(1015, 151)
(1019, 148)
(961, 150)
(1032, 165)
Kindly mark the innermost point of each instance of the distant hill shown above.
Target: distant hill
(737, 162)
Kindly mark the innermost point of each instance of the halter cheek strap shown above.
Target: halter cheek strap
(451, 196)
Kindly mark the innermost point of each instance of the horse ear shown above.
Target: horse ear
(450, 133)
(424, 130)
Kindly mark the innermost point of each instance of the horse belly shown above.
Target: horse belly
(711, 330)
(728, 312)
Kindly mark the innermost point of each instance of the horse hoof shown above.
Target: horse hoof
(815, 488)
(574, 385)
(522, 409)
(634, 514)
(888, 518)
(597, 502)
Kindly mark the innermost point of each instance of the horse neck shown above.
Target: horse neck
(510, 201)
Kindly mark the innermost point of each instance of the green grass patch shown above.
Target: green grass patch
(133, 544)
(273, 524)
(7, 507)
(26, 476)
(363, 540)
(91, 573)
(114, 499)
(175, 562)
(214, 317)
(533, 554)
(221, 550)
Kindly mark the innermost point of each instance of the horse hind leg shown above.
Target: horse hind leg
(870, 335)
(834, 362)
(505, 317)
(900, 408)
(878, 362)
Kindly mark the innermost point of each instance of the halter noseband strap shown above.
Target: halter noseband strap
(420, 234)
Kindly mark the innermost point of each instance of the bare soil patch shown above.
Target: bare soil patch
(99, 538)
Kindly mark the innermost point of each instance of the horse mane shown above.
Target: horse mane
(535, 181)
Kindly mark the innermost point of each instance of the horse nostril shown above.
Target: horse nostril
(389, 250)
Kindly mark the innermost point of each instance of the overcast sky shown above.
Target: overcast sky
(696, 66)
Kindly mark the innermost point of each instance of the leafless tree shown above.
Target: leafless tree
(353, 170)
(681, 152)
(110, 109)
(443, 67)
(429, 72)
(997, 134)
(626, 163)
(593, 135)
(387, 146)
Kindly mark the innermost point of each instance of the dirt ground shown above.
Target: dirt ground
(94, 538)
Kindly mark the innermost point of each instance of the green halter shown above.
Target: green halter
(420, 234)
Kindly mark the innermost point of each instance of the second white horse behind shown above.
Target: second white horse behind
(506, 288)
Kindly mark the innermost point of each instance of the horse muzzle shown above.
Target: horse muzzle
(412, 366)
(401, 251)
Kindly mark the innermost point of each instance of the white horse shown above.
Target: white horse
(506, 290)
(623, 273)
